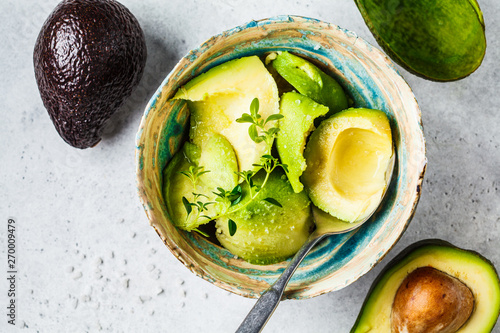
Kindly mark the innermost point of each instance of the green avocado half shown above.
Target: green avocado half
(267, 233)
(347, 159)
(437, 40)
(464, 266)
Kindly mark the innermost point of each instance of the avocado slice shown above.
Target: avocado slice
(299, 113)
(311, 81)
(176, 185)
(428, 37)
(218, 160)
(267, 233)
(88, 58)
(218, 157)
(470, 268)
(221, 95)
(347, 158)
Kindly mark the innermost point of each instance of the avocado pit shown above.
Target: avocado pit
(430, 301)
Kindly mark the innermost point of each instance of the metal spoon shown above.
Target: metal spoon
(258, 316)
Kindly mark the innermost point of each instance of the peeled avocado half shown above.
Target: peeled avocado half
(221, 95)
(217, 156)
(266, 233)
(347, 158)
(435, 287)
(176, 185)
(438, 40)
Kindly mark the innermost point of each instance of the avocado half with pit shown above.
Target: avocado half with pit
(347, 159)
(433, 286)
(438, 40)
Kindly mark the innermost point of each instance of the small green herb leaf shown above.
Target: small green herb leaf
(221, 193)
(202, 172)
(273, 131)
(273, 117)
(254, 108)
(236, 200)
(245, 118)
(252, 131)
(201, 232)
(246, 175)
(232, 227)
(187, 205)
(273, 201)
(259, 139)
(235, 195)
(236, 189)
(185, 173)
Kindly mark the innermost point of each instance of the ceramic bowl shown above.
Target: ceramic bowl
(370, 79)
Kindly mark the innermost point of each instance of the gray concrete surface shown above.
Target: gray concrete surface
(87, 259)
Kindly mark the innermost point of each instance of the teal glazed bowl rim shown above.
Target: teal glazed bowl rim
(370, 79)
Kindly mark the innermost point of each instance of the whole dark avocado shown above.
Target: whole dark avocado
(89, 56)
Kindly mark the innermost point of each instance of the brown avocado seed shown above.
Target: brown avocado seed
(430, 301)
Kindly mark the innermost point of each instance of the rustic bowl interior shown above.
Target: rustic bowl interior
(370, 79)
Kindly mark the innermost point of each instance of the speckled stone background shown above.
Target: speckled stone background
(87, 258)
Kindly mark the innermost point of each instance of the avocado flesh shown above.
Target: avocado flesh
(221, 95)
(299, 113)
(176, 185)
(427, 37)
(311, 81)
(473, 270)
(347, 159)
(88, 58)
(266, 233)
(217, 157)
(430, 301)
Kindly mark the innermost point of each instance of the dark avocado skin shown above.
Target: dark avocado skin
(89, 56)
(440, 40)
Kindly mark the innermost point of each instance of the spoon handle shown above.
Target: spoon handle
(269, 300)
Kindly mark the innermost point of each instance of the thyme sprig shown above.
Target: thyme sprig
(228, 199)
(257, 130)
